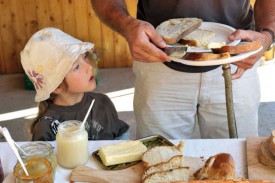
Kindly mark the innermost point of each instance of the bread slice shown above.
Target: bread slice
(196, 56)
(271, 142)
(173, 163)
(265, 156)
(174, 29)
(242, 48)
(198, 38)
(178, 174)
(160, 154)
(218, 167)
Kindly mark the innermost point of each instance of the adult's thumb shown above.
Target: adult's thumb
(235, 35)
(158, 41)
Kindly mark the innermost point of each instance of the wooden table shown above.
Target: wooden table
(193, 147)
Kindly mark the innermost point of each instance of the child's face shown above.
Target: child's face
(80, 78)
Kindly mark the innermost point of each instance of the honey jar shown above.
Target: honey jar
(72, 144)
(39, 149)
(39, 170)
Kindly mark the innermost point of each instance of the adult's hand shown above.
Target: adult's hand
(144, 42)
(249, 35)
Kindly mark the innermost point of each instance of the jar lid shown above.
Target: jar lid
(36, 148)
(71, 126)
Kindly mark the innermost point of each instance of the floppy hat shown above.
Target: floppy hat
(48, 57)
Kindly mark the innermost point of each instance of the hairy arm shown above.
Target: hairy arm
(144, 42)
(113, 13)
(265, 16)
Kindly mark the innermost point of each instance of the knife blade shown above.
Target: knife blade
(175, 51)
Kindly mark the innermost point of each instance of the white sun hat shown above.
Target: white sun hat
(48, 57)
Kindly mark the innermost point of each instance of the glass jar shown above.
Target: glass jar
(72, 144)
(39, 149)
(39, 170)
(269, 54)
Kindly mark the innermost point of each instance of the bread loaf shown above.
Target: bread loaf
(198, 38)
(265, 156)
(164, 163)
(196, 56)
(160, 154)
(178, 174)
(173, 29)
(218, 167)
(173, 163)
(242, 48)
(271, 142)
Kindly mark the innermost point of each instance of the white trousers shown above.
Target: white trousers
(170, 103)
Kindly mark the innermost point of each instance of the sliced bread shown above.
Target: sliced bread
(173, 30)
(217, 167)
(198, 38)
(178, 174)
(173, 163)
(160, 154)
(265, 156)
(196, 56)
(241, 48)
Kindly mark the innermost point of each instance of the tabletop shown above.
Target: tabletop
(193, 147)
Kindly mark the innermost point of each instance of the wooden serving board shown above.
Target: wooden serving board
(132, 174)
(256, 170)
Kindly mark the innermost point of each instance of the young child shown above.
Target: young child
(63, 70)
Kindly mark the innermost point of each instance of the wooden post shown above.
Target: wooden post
(232, 127)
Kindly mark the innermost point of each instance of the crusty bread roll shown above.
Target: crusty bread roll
(173, 29)
(196, 56)
(241, 48)
(198, 38)
(218, 167)
(160, 154)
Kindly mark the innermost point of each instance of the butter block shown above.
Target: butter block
(122, 152)
(215, 45)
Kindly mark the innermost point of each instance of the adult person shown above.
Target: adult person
(171, 97)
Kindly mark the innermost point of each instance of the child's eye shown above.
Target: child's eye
(86, 55)
(76, 67)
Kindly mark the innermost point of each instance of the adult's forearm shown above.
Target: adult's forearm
(113, 13)
(265, 14)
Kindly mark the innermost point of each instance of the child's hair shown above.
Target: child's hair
(43, 105)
